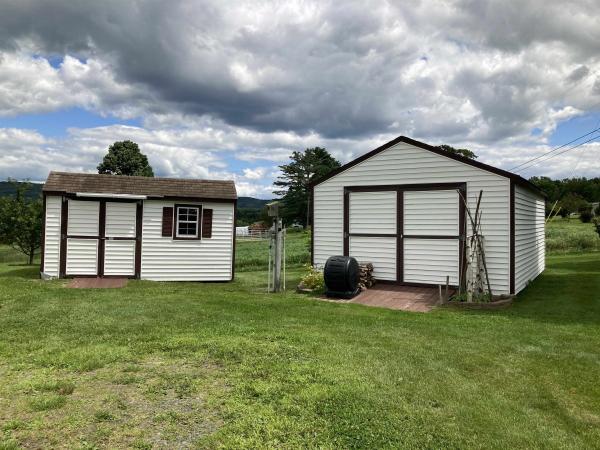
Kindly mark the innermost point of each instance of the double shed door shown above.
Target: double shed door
(411, 234)
(101, 238)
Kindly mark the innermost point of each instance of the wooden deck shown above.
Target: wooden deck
(405, 298)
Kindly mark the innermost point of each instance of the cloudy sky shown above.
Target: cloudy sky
(228, 89)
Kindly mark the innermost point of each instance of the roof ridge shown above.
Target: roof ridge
(140, 177)
(435, 149)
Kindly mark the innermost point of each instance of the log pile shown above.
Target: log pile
(365, 276)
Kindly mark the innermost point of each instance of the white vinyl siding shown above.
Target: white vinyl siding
(52, 236)
(119, 258)
(120, 219)
(431, 260)
(83, 218)
(529, 237)
(381, 251)
(431, 213)
(406, 164)
(166, 259)
(82, 257)
(373, 212)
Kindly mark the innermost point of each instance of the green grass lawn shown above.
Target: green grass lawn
(226, 365)
(571, 235)
(254, 255)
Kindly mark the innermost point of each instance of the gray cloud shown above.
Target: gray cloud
(341, 70)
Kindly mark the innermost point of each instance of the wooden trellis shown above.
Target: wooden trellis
(477, 281)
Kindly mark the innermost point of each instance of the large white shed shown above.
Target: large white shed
(162, 229)
(399, 207)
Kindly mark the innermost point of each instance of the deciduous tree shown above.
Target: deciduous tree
(459, 151)
(21, 221)
(125, 158)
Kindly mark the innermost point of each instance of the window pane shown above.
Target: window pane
(187, 221)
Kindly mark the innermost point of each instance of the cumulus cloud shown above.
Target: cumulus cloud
(486, 70)
(211, 81)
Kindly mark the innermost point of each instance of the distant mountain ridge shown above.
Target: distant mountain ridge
(7, 188)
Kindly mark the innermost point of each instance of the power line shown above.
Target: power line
(560, 153)
(579, 157)
(553, 150)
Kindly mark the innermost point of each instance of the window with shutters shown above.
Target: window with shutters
(187, 222)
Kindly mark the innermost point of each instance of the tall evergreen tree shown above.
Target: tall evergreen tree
(304, 168)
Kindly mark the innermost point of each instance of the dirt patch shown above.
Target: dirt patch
(158, 403)
(97, 283)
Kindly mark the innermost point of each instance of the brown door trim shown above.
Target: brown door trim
(64, 220)
(139, 217)
(101, 237)
(400, 189)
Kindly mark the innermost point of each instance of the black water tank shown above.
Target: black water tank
(341, 277)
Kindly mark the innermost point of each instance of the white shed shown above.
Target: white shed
(399, 207)
(163, 229)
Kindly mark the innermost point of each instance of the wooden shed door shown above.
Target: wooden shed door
(372, 230)
(101, 238)
(120, 239)
(431, 236)
(413, 234)
(82, 237)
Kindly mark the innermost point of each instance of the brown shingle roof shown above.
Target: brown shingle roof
(71, 183)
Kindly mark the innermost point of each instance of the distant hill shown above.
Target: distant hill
(251, 202)
(7, 188)
(249, 208)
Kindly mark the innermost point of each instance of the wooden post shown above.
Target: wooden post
(277, 225)
(447, 286)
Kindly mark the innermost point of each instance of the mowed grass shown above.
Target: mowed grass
(254, 254)
(571, 235)
(173, 365)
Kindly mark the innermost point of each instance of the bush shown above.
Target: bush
(564, 236)
(586, 215)
(313, 279)
(597, 225)
(597, 210)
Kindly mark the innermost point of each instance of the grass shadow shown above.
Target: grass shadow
(21, 271)
(567, 292)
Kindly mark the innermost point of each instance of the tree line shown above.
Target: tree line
(21, 214)
(570, 195)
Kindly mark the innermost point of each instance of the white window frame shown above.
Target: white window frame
(197, 222)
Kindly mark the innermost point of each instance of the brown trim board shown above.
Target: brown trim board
(512, 237)
(43, 236)
(234, 240)
(139, 217)
(513, 177)
(102, 237)
(400, 189)
(64, 214)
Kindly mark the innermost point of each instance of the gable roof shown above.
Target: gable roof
(73, 183)
(504, 173)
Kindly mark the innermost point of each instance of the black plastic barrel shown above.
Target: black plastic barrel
(341, 275)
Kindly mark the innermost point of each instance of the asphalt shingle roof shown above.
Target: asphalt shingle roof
(71, 183)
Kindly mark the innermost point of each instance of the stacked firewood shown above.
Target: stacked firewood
(365, 276)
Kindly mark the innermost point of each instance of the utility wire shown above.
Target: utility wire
(579, 157)
(560, 153)
(553, 150)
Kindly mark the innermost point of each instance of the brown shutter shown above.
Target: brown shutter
(167, 221)
(207, 218)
